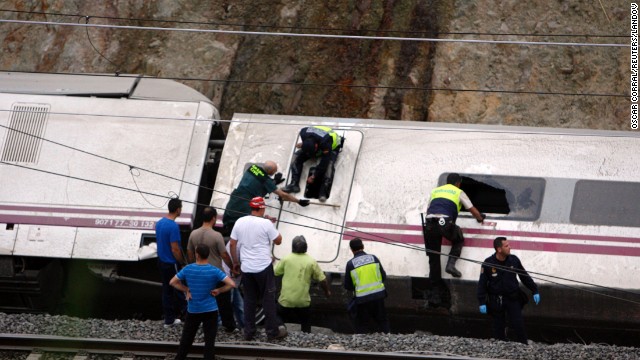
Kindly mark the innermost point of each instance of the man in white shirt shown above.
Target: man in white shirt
(253, 235)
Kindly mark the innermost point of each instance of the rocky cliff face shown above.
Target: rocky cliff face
(349, 77)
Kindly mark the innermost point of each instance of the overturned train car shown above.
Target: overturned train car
(87, 163)
(569, 201)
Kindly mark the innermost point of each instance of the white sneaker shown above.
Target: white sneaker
(175, 322)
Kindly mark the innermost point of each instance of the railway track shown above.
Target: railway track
(85, 348)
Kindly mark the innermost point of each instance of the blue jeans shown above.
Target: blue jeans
(171, 298)
(238, 306)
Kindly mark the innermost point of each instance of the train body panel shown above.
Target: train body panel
(72, 201)
(568, 200)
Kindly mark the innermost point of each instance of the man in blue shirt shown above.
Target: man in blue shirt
(201, 278)
(168, 241)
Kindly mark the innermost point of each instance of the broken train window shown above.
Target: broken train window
(509, 197)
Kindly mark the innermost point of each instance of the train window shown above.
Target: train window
(609, 203)
(516, 197)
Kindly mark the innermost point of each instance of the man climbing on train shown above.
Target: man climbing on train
(257, 180)
(442, 212)
(317, 142)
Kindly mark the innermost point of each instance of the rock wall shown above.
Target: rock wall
(349, 77)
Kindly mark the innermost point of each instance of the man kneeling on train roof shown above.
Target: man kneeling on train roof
(442, 212)
(256, 181)
(317, 142)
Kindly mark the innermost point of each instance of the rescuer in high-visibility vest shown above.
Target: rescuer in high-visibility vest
(365, 276)
(442, 212)
(317, 142)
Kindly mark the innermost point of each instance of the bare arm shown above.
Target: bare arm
(177, 252)
(228, 285)
(234, 255)
(176, 283)
(285, 196)
(191, 256)
(278, 240)
(227, 259)
(476, 214)
(325, 287)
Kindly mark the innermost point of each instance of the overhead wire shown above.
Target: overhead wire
(353, 86)
(382, 239)
(314, 35)
(244, 25)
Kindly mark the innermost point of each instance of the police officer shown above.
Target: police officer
(499, 292)
(442, 212)
(365, 277)
(256, 181)
(317, 141)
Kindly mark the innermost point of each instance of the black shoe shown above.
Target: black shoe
(282, 333)
(453, 271)
(291, 188)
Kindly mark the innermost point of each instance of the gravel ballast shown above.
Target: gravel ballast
(319, 338)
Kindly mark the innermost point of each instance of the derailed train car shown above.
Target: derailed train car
(87, 163)
(569, 201)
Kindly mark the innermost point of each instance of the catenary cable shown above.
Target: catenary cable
(409, 88)
(311, 35)
(379, 31)
(381, 239)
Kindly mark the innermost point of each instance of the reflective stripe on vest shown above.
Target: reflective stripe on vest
(332, 133)
(449, 192)
(367, 278)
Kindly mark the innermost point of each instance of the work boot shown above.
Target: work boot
(451, 268)
(292, 188)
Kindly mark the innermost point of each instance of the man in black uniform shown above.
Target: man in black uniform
(499, 292)
(317, 142)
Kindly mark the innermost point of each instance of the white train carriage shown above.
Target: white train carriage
(569, 201)
(87, 165)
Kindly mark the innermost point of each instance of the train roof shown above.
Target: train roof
(428, 126)
(98, 85)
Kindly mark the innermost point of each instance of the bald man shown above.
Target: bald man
(258, 180)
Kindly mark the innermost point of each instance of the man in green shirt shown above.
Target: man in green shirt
(256, 181)
(297, 270)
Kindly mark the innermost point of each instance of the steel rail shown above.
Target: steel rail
(45, 343)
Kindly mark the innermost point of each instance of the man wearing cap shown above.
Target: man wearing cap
(256, 181)
(297, 270)
(317, 142)
(252, 236)
(365, 276)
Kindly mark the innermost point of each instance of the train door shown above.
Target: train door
(322, 223)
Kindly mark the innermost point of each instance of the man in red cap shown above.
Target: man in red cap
(252, 236)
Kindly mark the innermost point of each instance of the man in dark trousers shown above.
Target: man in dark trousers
(256, 181)
(442, 211)
(201, 279)
(499, 292)
(254, 235)
(170, 258)
(217, 254)
(365, 276)
(317, 142)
